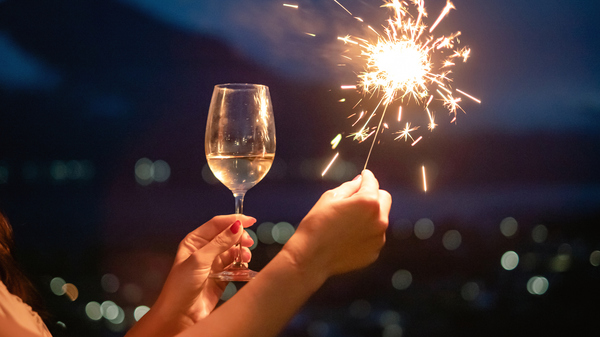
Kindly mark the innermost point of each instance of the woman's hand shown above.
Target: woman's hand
(188, 294)
(345, 230)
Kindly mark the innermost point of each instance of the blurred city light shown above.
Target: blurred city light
(93, 311)
(109, 310)
(140, 311)
(509, 226)
(452, 239)
(360, 309)
(424, 228)
(469, 291)
(537, 285)
(109, 283)
(595, 258)
(509, 260)
(401, 279)
(71, 291)
(57, 286)
(265, 233)
(282, 232)
(539, 234)
(147, 171)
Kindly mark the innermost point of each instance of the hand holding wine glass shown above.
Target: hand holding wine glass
(240, 148)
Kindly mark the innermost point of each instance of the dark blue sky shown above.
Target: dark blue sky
(534, 63)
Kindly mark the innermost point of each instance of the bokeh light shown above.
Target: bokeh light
(539, 233)
(71, 291)
(509, 226)
(470, 291)
(109, 310)
(451, 239)
(360, 309)
(57, 286)
(509, 260)
(401, 279)
(282, 231)
(264, 231)
(147, 171)
(140, 311)
(537, 285)
(93, 311)
(595, 258)
(424, 228)
(254, 238)
(109, 283)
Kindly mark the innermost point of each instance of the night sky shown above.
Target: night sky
(88, 88)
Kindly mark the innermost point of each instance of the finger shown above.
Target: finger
(369, 184)
(205, 256)
(206, 232)
(385, 204)
(247, 240)
(346, 189)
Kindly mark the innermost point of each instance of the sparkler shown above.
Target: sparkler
(402, 65)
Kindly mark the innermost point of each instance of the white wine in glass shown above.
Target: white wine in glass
(240, 148)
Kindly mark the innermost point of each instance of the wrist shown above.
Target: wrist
(313, 270)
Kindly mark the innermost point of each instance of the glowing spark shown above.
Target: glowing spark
(336, 141)
(469, 96)
(424, 179)
(445, 12)
(331, 162)
(342, 100)
(404, 62)
(310, 34)
(406, 132)
(342, 7)
(344, 87)
(291, 6)
(416, 141)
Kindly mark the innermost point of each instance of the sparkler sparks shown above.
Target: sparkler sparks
(406, 63)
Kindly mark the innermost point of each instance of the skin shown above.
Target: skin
(344, 231)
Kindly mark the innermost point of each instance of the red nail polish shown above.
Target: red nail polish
(235, 227)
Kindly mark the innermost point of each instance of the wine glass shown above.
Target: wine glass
(240, 148)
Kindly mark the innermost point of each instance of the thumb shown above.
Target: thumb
(205, 256)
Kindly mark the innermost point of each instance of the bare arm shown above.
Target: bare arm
(344, 231)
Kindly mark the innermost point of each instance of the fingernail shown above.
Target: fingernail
(235, 227)
(357, 177)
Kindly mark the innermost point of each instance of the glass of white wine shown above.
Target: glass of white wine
(240, 148)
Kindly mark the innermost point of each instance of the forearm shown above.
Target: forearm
(265, 305)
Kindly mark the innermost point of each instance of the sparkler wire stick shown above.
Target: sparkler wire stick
(375, 137)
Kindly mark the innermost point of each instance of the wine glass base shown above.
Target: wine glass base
(234, 274)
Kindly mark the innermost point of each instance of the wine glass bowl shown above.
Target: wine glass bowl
(240, 148)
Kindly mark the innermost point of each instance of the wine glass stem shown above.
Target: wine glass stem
(239, 209)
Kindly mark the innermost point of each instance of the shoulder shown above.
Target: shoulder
(17, 318)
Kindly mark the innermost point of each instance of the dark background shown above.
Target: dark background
(88, 88)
